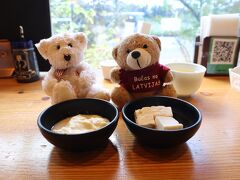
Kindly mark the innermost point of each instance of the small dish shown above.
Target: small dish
(234, 74)
(187, 77)
(106, 67)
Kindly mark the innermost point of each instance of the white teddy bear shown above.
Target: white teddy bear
(69, 77)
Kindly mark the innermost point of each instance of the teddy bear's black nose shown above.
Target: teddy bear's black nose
(67, 57)
(136, 54)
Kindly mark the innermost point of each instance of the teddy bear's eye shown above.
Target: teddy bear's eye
(128, 51)
(145, 46)
(58, 46)
(70, 45)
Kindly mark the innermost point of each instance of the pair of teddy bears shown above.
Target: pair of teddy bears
(139, 73)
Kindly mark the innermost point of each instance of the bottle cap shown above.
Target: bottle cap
(22, 43)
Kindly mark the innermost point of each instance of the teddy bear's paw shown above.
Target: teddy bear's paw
(63, 91)
(169, 90)
(64, 83)
(48, 85)
(87, 77)
(102, 95)
(115, 77)
(99, 93)
(120, 96)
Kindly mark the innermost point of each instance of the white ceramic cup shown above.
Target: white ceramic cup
(106, 67)
(187, 77)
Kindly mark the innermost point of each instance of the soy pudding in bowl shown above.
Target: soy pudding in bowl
(187, 115)
(96, 132)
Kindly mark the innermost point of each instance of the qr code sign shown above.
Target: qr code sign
(223, 51)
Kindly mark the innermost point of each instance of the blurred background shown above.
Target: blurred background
(106, 22)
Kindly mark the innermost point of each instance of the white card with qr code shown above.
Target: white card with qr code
(222, 54)
(223, 51)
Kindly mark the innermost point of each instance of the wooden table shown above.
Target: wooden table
(213, 153)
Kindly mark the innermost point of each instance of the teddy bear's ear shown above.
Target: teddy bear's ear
(42, 47)
(82, 38)
(114, 52)
(157, 40)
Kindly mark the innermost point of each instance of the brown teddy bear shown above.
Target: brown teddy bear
(139, 73)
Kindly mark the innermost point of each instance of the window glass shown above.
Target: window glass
(106, 22)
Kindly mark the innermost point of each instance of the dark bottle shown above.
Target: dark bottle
(25, 60)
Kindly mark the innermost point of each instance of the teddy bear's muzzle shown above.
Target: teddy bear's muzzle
(67, 57)
(138, 59)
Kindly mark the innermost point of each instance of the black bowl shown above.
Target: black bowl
(85, 141)
(184, 112)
